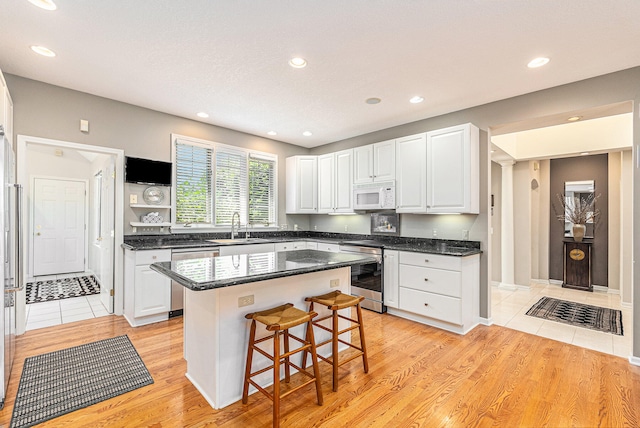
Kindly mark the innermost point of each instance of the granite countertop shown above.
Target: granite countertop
(225, 271)
(421, 245)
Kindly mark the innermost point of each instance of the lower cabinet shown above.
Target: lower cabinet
(442, 291)
(290, 246)
(232, 250)
(147, 294)
(390, 274)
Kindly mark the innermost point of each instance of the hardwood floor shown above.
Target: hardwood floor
(419, 377)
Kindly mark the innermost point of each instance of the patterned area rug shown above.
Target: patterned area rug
(63, 381)
(578, 314)
(57, 289)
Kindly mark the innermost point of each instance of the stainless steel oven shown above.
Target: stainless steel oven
(367, 279)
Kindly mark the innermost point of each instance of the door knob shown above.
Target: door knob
(38, 234)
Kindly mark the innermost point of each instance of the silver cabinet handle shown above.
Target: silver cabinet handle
(426, 304)
(426, 279)
(426, 260)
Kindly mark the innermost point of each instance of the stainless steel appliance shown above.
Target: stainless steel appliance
(374, 196)
(367, 279)
(11, 254)
(177, 290)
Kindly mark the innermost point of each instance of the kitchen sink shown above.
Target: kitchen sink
(237, 241)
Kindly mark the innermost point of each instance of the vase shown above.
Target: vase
(578, 232)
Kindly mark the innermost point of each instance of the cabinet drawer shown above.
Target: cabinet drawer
(323, 246)
(431, 260)
(284, 246)
(446, 282)
(444, 308)
(146, 257)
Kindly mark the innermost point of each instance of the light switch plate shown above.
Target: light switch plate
(133, 199)
(245, 301)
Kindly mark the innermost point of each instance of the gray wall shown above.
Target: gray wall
(574, 169)
(43, 110)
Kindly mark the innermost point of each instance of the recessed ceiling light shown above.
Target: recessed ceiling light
(372, 100)
(298, 62)
(272, 133)
(307, 133)
(202, 115)
(584, 153)
(574, 118)
(417, 99)
(43, 51)
(44, 4)
(538, 62)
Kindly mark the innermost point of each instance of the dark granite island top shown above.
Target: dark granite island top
(224, 271)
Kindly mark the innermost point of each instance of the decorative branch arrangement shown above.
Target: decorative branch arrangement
(578, 210)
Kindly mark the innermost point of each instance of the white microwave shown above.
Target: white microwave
(374, 196)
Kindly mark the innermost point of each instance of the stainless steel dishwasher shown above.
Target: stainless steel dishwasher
(177, 290)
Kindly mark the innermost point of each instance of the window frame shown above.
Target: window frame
(215, 147)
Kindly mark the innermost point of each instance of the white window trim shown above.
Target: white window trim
(203, 228)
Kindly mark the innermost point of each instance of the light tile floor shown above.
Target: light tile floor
(56, 312)
(508, 309)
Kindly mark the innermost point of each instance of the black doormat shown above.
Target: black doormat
(60, 382)
(57, 289)
(578, 314)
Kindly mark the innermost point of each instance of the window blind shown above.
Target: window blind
(262, 190)
(230, 186)
(193, 183)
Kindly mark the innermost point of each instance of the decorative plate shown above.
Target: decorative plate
(153, 195)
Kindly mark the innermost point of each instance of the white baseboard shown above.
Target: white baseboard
(626, 305)
(486, 321)
(634, 360)
(540, 281)
(504, 286)
(555, 282)
(495, 283)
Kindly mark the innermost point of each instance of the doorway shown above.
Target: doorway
(73, 192)
(59, 226)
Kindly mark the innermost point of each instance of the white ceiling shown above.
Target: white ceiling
(229, 58)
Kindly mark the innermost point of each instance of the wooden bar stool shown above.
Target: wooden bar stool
(336, 301)
(279, 320)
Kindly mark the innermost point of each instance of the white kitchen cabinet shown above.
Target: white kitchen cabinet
(325, 246)
(390, 272)
(441, 291)
(290, 246)
(335, 178)
(311, 245)
(302, 185)
(147, 296)
(453, 170)
(6, 109)
(411, 174)
(230, 250)
(374, 162)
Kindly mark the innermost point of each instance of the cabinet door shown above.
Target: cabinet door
(384, 161)
(390, 269)
(343, 181)
(326, 184)
(363, 164)
(452, 165)
(152, 292)
(302, 185)
(411, 174)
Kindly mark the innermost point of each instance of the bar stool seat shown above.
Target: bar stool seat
(336, 301)
(279, 320)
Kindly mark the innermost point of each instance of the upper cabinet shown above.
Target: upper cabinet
(302, 185)
(411, 174)
(335, 177)
(6, 109)
(453, 170)
(438, 171)
(374, 162)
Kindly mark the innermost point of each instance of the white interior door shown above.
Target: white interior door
(58, 226)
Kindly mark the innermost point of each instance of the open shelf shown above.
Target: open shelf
(141, 224)
(148, 206)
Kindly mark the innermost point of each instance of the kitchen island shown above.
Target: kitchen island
(219, 291)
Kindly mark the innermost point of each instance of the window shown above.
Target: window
(213, 181)
(193, 183)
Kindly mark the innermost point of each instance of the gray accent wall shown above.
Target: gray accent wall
(578, 169)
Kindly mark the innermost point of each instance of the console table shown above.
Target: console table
(577, 265)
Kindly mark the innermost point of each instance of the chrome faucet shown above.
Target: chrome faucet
(233, 222)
